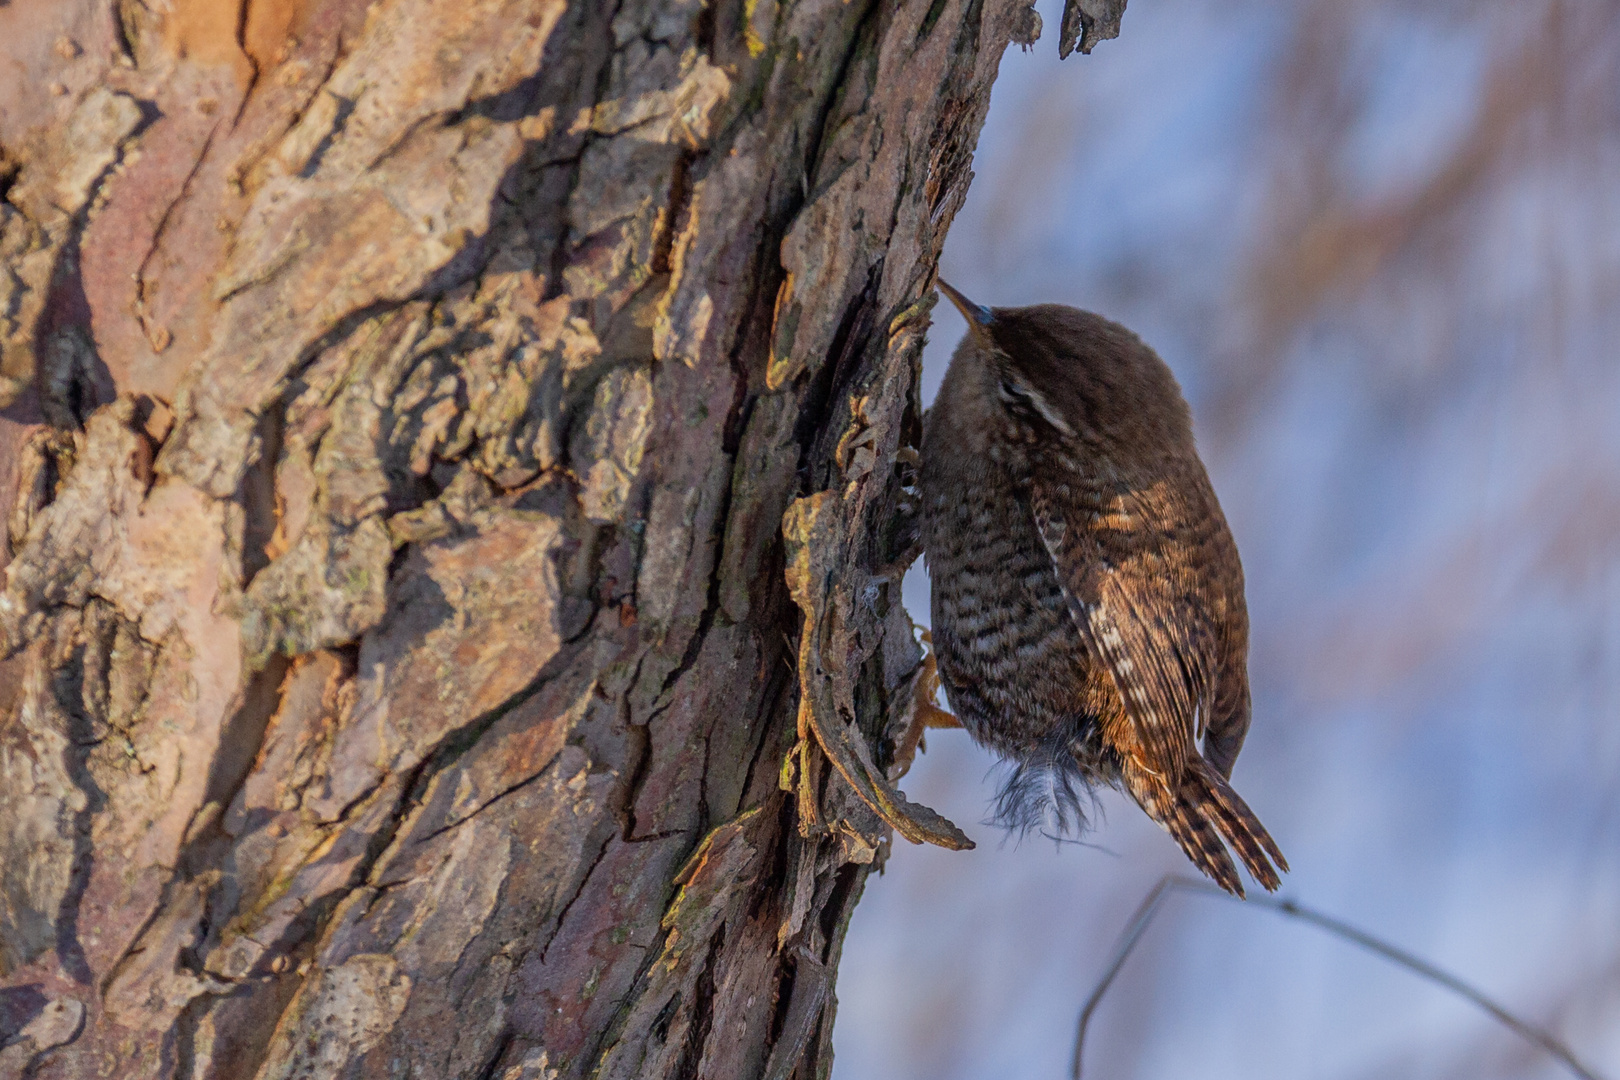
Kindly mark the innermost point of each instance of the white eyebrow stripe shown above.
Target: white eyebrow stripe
(1035, 398)
(1045, 408)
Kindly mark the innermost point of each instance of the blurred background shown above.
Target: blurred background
(1379, 243)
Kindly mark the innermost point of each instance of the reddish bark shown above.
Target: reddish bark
(453, 607)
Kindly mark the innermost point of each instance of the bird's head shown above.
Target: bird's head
(1065, 374)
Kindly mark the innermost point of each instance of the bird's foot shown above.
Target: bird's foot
(925, 712)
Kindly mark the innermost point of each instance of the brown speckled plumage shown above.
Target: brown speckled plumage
(1088, 612)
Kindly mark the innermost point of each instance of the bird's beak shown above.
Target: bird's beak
(977, 315)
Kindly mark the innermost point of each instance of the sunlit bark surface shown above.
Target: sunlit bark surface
(455, 475)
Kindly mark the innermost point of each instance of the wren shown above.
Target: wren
(1088, 614)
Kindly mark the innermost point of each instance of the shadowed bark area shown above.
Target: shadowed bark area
(455, 471)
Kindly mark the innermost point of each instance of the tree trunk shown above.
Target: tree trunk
(457, 461)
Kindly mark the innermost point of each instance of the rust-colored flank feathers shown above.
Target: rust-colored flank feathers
(1088, 612)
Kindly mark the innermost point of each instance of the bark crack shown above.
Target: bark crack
(679, 206)
(252, 62)
(504, 1043)
(702, 1022)
(840, 82)
(504, 793)
(159, 336)
(568, 905)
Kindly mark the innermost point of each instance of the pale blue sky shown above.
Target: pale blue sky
(1423, 471)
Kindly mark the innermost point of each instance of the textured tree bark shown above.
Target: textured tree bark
(456, 475)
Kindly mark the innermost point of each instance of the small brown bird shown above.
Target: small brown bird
(1088, 614)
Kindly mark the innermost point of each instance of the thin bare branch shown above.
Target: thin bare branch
(1170, 883)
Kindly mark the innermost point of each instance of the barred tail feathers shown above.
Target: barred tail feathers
(1240, 826)
(1204, 813)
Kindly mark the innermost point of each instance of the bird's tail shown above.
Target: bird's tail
(1206, 811)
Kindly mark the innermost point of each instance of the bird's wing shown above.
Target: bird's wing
(1131, 589)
